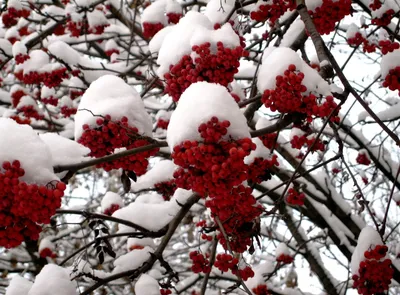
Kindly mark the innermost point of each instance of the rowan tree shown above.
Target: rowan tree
(199, 147)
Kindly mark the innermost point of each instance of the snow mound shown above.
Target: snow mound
(367, 240)
(278, 61)
(110, 95)
(146, 285)
(132, 260)
(20, 142)
(63, 150)
(162, 171)
(197, 105)
(111, 198)
(19, 286)
(53, 277)
(390, 61)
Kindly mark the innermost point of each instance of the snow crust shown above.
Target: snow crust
(18, 143)
(152, 216)
(132, 260)
(110, 95)
(19, 48)
(154, 13)
(63, 150)
(53, 277)
(46, 243)
(197, 105)
(18, 286)
(367, 239)
(111, 198)
(260, 152)
(162, 171)
(217, 11)
(64, 52)
(140, 242)
(146, 285)
(278, 61)
(282, 249)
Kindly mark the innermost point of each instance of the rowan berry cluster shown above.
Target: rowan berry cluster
(165, 292)
(16, 97)
(225, 262)
(218, 67)
(375, 4)
(47, 252)
(213, 166)
(200, 262)
(49, 79)
(67, 111)
(269, 140)
(260, 290)
(384, 19)
(30, 112)
(273, 10)
(49, 100)
(260, 169)
(21, 58)
(111, 51)
(173, 18)
(110, 210)
(109, 135)
(363, 159)
(359, 39)
(163, 124)
(166, 188)
(12, 15)
(298, 142)
(245, 273)
(21, 120)
(392, 79)
(150, 29)
(22, 205)
(294, 198)
(288, 97)
(330, 12)
(388, 46)
(374, 273)
(284, 259)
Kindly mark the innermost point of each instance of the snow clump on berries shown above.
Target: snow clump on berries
(110, 95)
(197, 105)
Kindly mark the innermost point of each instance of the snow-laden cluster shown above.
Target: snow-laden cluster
(110, 95)
(198, 104)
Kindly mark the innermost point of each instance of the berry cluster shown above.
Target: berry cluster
(298, 142)
(49, 79)
(12, 15)
(21, 58)
(165, 292)
(47, 252)
(213, 166)
(224, 262)
(385, 18)
(293, 197)
(273, 10)
(260, 290)
(109, 211)
(173, 18)
(200, 262)
(110, 135)
(388, 46)
(111, 51)
(375, 4)
(374, 273)
(30, 111)
(359, 39)
(218, 67)
(392, 79)
(260, 169)
(330, 12)
(67, 111)
(166, 188)
(288, 97)
(150, 29)
(245, 273)
(51, 100)
(363, 159)
(22, 205)
(163, 124)
(269, 140)
(284, 259)
(16, 96)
